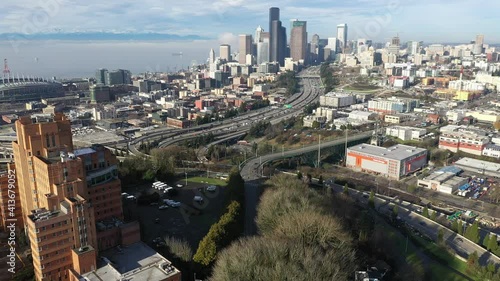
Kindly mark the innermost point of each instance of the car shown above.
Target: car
(163, 207)
(125, 194)
(172, 203)
(131, 197)
(198, 199)
(179, 185)
(157, 220)
(211, 188)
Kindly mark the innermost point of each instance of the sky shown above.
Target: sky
(216, 22)
(425, 20)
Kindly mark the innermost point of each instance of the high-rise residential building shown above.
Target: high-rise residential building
(342, 36)
(245, 47)
(225, 52)
(298, 40)
(70, 198)
(100, 76)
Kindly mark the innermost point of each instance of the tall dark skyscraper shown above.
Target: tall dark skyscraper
(277, 46)
(274, 14)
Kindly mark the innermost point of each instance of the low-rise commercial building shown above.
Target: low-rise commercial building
(337, 100)
(459, 138)
(405, 133)
(392, 105)
(484, 168)
(492, 150)
(397, 118)
(444, 180)
(394, 162)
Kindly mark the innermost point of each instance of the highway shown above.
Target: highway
(408, 212)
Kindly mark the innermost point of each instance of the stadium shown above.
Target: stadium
(14, 90)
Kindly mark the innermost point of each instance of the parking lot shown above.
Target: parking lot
(191, 221)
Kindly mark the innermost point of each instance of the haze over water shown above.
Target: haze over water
(69, 59)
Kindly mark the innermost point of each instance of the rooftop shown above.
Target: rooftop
(439, 177)
(479, 164)
(396, 152)
(134, 262)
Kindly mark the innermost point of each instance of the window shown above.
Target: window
(53, 140)
(47, 140)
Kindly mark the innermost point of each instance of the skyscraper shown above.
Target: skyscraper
(211, 56)
(342, 36)
(225, 52)
(70, 198)
(298, 40)
(274, 14)
(277, 48)
(258, 35)
(245, 47)
(263, 48)
(480, 39)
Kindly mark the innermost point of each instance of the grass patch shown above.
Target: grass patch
(210, 181)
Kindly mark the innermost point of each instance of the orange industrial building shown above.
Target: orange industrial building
(70, 199)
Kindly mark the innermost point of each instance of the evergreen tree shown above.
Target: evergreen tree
(425, 212)
(454, 226)
(460, 228)
(434, 216)
(440, 236)
(492, 243)
(346, 189)
(486, 241)
(371, 200)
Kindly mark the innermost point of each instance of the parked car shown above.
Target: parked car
(131, 197)
(172, 203)
(179, 185)
(211, 188)
(157, 220)
(198, 199)
(163, 207)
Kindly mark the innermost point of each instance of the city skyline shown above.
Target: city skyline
(376, 20)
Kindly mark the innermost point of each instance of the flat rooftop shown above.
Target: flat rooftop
(479, 164)
(396, 152)
(439, 177)
(134, 262)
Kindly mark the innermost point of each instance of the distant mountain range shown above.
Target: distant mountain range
(101, 36)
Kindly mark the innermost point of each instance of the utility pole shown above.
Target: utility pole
(345, 158)
(282, 150)
(319, 151)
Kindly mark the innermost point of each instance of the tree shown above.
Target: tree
(440, 236)
(346, 189)
(472, 232)
(460, 228)
(454, 226)
(395, 210)
(492, 243)
(486, 241)
(320, 180)
(371, 200)
(299, 175)
(496, 125)
(179, 248)
(473, 262)
(434, 215)
(315, 125)
(425, 212)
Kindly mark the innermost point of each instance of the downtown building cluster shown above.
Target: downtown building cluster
(275, 49)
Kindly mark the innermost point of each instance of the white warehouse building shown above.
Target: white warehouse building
(405, 133)
(337, 100)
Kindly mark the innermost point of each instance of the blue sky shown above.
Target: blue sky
(427, 20)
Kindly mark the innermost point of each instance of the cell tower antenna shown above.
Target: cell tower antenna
(6, 70)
